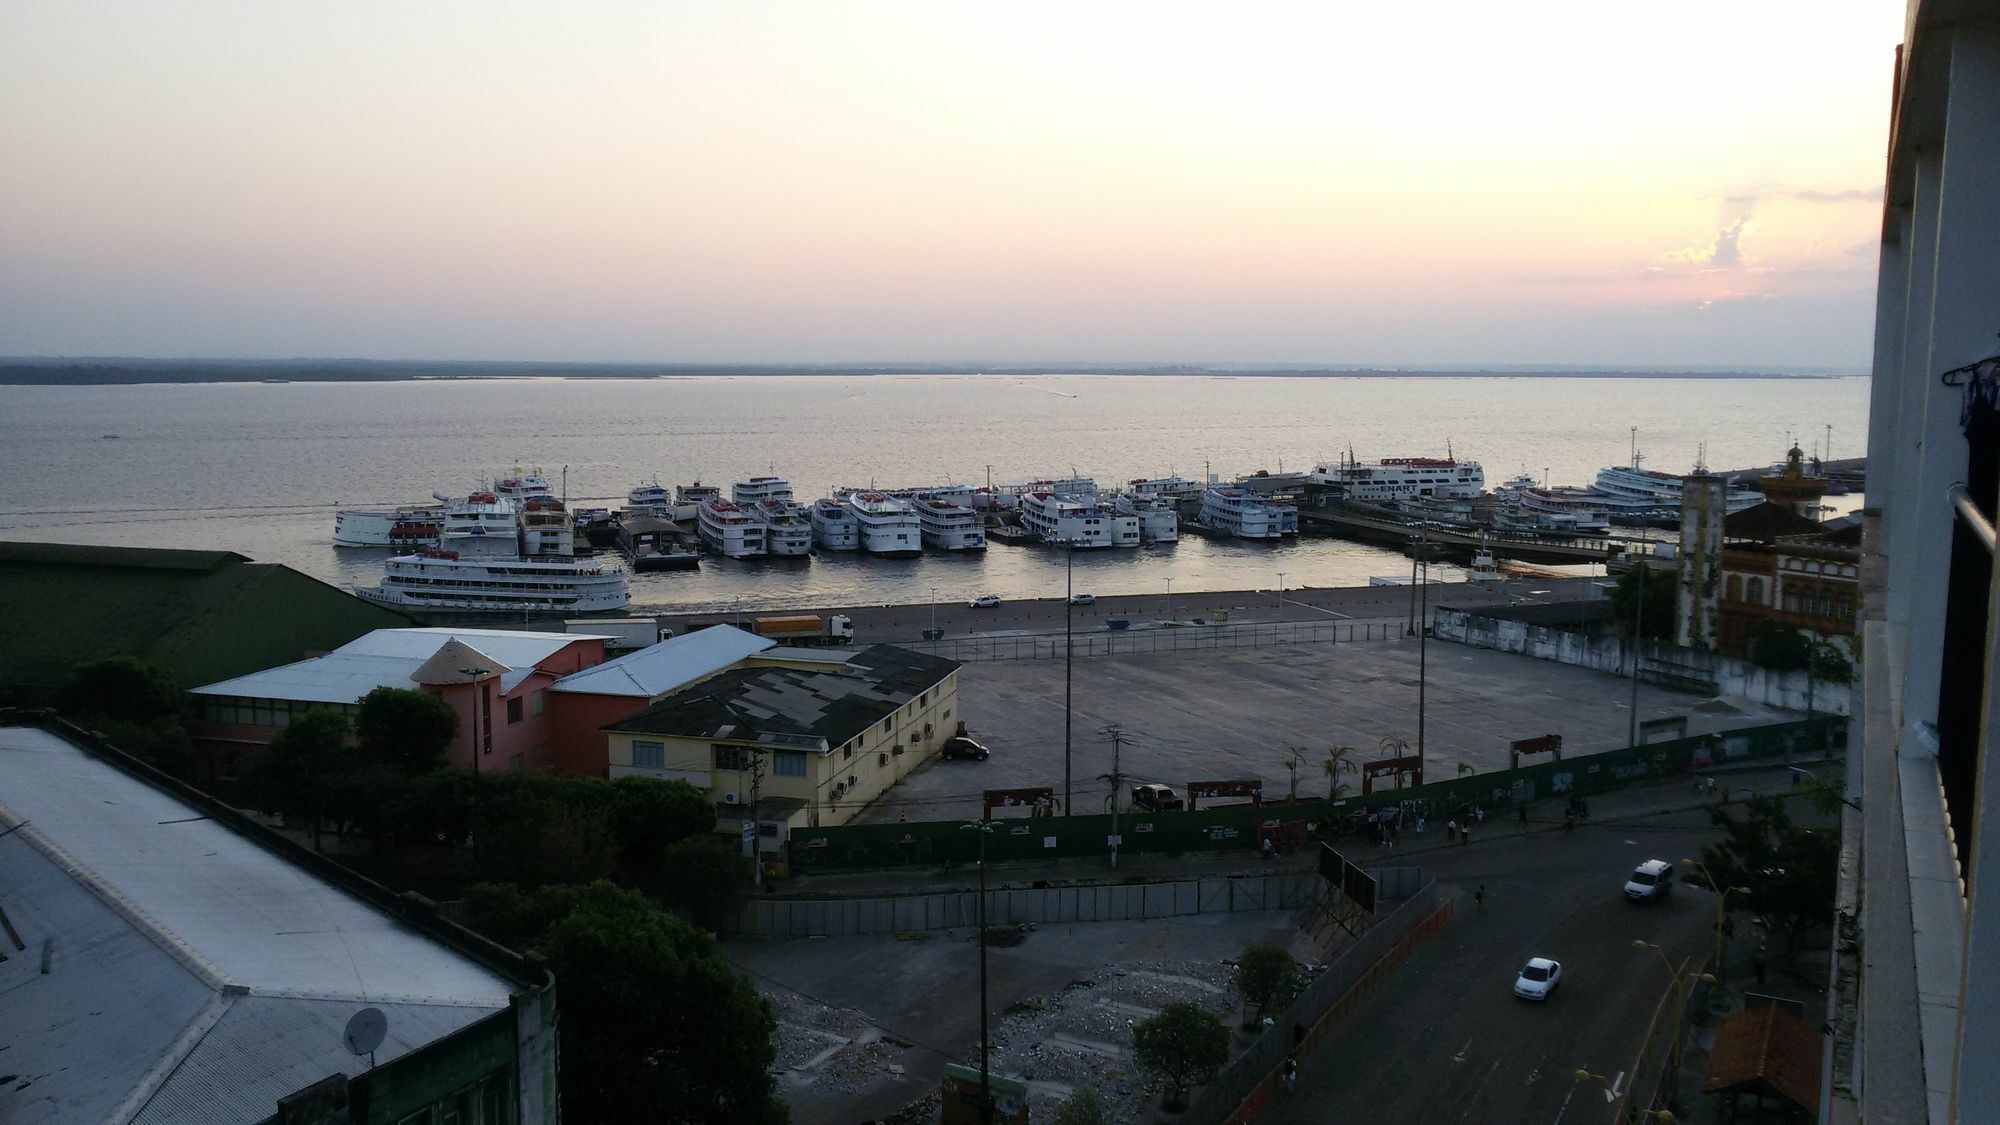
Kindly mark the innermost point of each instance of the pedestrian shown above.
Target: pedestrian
(1725, 794)
(1479, 814)
(1451, 831)
(1465, 834)
(1269, 851)
(1298, 1037)
(1420, 824)
(1524, 816)
(1479, 897)
(1757, 963)
(1711, 785)
(1291, 1072)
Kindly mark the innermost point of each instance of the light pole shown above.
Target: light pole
(1721, 908)
(1170, 599)
(934, 631)
(1069, 658)
(1423, 642)
(985, 829)
(1680, 980)
(478, 696)
(1638, 626)
(1281, 592)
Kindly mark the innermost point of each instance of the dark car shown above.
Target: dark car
(960, 747)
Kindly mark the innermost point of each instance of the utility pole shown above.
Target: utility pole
(1117, 734)
(985, 829)
(478, 694)
(1423, 652)
(1170, 599)
(756, 829)
(1069, 662)
(1638, 625)
(1281, 595)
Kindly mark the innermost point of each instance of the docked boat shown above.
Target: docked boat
(1175, 490)
(1630, 493)
(545, 528)
(1581, 509)
(887, 525)
(729, 530)
(415, 525)
(1076, 521)
(949, 525)
(834, 527)
(650, 499)
(1402, 478)
(1159, 518)
(522, 486)
(479, 516)
(1008, 497)
(440, 580)
(787, 524)
(596, 526)
(1245, 515)
(650, 543)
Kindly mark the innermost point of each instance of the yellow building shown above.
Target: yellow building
(796, 738)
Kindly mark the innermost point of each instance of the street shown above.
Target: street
(1445, 1040)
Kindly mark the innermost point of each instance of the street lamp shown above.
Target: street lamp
(1170, 600)
(1069, 656)
(1721, 907)
(934, 631)
(1281, 592)
(1423, 642)
(985, 829)
(1638, 626)
(478, 697)
(1680, 980)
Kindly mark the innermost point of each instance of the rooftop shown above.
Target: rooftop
(193, 973)
(829, 705)
(394, 658)
(657, 669)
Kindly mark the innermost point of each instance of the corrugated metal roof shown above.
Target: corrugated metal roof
(194, 976)
(1769, 1050)
(391, 658)
(667, 666)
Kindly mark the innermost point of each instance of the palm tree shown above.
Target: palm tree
(1395, 748)
(1295, 756)
(1338, 762)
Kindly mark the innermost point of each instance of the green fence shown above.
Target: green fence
(1221, 829)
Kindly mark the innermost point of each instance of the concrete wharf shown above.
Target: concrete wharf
(1349, 524)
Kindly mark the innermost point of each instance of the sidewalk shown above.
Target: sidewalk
(1656, 798)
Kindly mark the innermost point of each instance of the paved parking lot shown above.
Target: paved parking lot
(1232, 714)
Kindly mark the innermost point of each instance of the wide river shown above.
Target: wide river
(260, 468)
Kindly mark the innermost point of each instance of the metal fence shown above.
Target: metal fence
(1190, 638)
(1242, 1087)
(1007, 906)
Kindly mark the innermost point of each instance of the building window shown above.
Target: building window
(514, 710)
(732, 757)
(788, 763)
(925, 699)
(847, 752)
(1757, 591)
(887, 724)
(649, 755)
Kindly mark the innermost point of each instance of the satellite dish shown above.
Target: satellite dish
(365, 1031)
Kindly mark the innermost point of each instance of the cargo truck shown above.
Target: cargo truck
(806, 629)
(625, 633)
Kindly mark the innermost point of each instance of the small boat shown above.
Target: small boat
(1117, 624)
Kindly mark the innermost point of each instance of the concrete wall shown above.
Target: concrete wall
(1667, 665)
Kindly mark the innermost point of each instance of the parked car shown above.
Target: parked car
(1083, 599)
(1538, 979)
(1159, 798)
(984, 601)
(961, 748)
(1650, 880)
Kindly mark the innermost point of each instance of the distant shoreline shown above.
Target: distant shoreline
(133, 372)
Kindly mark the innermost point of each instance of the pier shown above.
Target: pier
(1346, 523)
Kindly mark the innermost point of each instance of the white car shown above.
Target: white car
(1538, 979)
(984, 601)
(1083, 599)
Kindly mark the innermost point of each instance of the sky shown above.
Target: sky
(1558, 183)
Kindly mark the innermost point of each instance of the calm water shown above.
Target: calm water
(260, 468)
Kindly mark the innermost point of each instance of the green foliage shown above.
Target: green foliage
(656, 1024)
(1784, 649)
(1183, 1045)
(1083, 1108)
(648, 816)
(1339, 760)
(702, 876)
(408, 731)
(1260, 973)
(308, 773)
(1790, 871)
(1644, 598)
(137, 706)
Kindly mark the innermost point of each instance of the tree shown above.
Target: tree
(408, 731)
(1790, 871)
(1262, 971)
(648, 816)
(1780, 648)
(1083, 1108)
(1295, 756)
(656, 1024)
(303, 774)
(1655, 618)
(137, 706)
(1183, 1045)
(1339, 760)
(702, 877)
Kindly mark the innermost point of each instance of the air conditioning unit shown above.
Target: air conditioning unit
(839, 787)
(882, 759)
(731, 797)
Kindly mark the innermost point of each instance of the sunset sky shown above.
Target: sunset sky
(1322, 183)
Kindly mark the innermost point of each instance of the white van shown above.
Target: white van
(1651, 879)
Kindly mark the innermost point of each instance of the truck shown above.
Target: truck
(625, 633)
(1159, 798)
(806, 629)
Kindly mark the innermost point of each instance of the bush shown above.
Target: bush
(1260, 974)
(1183, 1045)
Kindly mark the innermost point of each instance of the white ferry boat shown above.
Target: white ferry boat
(787, 527)
(440, 580)
(522, 486)
(887, 525)
(834, 527)
(1008, 497)
(1173, 489)
(1630, 492)
(1581, 509)
(1076, 521)
(949, 525)
(414, 525)
(1402, 478)
(1159, 519)
(546, 529)
(649, 498)
(688, 499)
(756, 490)
(481, 516)
(729, 530)
(1246, 515)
